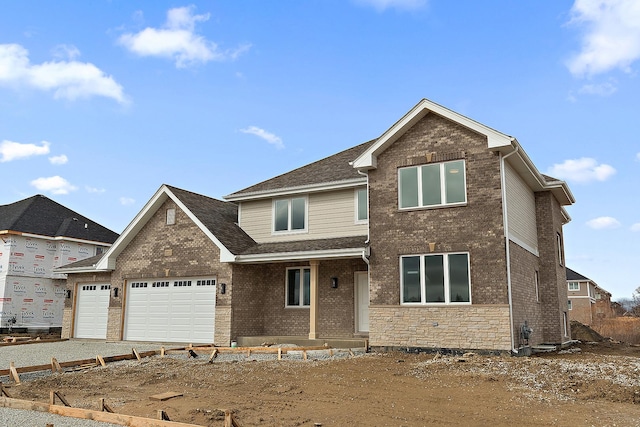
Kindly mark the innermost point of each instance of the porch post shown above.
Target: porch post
(313, 308)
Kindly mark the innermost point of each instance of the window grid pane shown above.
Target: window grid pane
(307, 287)
(431, 187)
(362, 205)
(434, 278)
(408, 187)
(454, 182)
(458, 278)
(297, 213)
(281, 215)
(293, 287)
(411, 279)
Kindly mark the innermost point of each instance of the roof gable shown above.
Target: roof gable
(42, 216)
(215, 218)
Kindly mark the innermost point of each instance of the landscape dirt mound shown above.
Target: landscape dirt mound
(593, 384)
(584, 333)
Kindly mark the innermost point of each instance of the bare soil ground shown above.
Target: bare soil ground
(596, 386)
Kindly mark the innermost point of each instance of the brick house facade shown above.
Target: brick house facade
(587, 302)
(354, 245)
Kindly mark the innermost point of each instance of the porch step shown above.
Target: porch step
(303, 342)
(544, 348)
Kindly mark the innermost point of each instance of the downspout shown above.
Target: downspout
(506, 240)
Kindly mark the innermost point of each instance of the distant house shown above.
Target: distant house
(39, 235)
(441, 233)
(587, 302)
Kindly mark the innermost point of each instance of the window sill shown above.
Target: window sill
(423, 208)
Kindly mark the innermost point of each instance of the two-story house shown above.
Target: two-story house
(38, 235)
(441, 233)
(587, 302)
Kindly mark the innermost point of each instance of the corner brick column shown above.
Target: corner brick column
(313, 309)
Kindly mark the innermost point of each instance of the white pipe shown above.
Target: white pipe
(506, 240)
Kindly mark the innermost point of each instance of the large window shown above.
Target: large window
(362, 205)
(574, 286)
(290, 214)
(298, 287)
(437, 184)
(441, 278)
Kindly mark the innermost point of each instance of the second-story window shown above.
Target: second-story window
(290, 214)
(432, 185)
(362, 205)
(574, 286)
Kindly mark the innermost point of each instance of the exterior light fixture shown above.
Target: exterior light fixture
(334, 282)
(223, 288)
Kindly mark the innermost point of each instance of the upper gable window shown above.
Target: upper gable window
(432, 185)
(290, 214)
(362, 205)
(171, 216)
(574, 286)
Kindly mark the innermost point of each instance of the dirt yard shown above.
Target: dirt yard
(596, 386)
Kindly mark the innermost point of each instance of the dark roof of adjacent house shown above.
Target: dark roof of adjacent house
(572, 275)
(219, 217)
(335, 168)
(42, 216)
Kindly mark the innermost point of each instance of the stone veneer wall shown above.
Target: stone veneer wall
(479, 327)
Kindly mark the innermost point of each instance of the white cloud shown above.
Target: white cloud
(67, 79)
(581, 170)
(602, 89)
(58, 160)
(635, 227)
(66, 51)
(178, 41)
(638, 156)
(54, 184)
(267, 136)
(10, 150)
(127, 201)
(382, 5)
(611, 38)
(603, 222)
(94, 190)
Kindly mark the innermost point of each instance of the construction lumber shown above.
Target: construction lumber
(52, 398)
(88, 414)
(214, 354)
(230, 420)
(36, 341)
(104, 406)
(14, 373)
(100, 360)
(136, 354)
(4, 391)
(55, 366)
(165, 396)
(162, 415)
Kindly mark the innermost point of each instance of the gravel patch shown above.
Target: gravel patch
(18, 417)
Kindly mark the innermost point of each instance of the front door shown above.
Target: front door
(362, 302)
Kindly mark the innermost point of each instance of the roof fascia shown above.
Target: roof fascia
(43, 237)
(297, 256)
(108, 262)
(368, 159)
(87, 269)
(313, 188)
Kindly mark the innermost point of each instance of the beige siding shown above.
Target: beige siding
(521, 210)
(330, 214)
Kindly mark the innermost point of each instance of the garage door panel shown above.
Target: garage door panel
(92, 311)
(162, 311)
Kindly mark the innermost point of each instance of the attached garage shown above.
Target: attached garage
(171, 310)
(92, 309)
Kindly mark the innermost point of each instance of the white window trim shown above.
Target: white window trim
(286, 288)
(423, 294)
(573, 283)
(560, 249)
(443, 186)
(289, 230)
(357, 206)
(570, 305)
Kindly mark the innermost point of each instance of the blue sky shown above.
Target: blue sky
(102, 102)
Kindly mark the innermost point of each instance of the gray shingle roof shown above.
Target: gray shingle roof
(335, 168)
(219, 217)
(355, 242)
(572, 275)
(42, 216)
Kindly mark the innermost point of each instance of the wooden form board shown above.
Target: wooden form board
(88, 414)
(165, 396)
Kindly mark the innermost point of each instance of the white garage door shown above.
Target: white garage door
(172, 310)
(92, 309)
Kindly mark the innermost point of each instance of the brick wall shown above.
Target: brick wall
(581, 310)
(476, 228)
(180, 250)
(553, 281)
(479, 327)
(259, 300)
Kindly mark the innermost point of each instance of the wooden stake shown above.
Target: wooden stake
(3, 391)
(214, 354)
(104, 407)
(136, 354)
(279, 353)
(304, 354)
(163, 415)
(162, 352)
(52, 398)
(229, 419)
(14, 373)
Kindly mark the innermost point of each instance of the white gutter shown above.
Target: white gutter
(506, 240)
(366, 251)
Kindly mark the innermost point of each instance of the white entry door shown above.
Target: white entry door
(92, 310)
(171, 310)
(362, 302)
